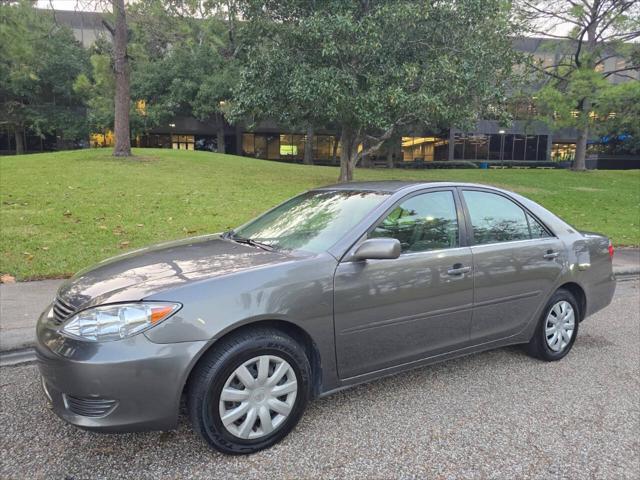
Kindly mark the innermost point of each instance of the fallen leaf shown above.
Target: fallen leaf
(6, 278)
(140, 225)
(124, 244)
(186, 230)
(44, 248)
(102, 227)
(67, 213)
(29, 256)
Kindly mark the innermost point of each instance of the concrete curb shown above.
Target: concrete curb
(20, 356)
(624, 272)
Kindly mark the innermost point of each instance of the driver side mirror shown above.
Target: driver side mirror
(378, 249)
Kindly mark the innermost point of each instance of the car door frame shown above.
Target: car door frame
(467, 215)
(471, 241)
(462, 244)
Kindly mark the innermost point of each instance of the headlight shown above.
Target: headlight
(114, 322)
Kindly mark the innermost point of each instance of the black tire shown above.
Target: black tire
(208, 379)
(537, 346)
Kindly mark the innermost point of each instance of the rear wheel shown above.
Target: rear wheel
(250, 391)
(557, 328)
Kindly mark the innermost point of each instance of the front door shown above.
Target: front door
(516, 264)
(390, 312)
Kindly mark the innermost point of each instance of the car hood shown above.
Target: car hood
(151, 270)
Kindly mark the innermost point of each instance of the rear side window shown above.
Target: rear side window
(495, 219)
(425, 222)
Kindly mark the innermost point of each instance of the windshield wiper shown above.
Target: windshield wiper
(248, 241)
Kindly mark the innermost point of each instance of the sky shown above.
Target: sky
(84, 5)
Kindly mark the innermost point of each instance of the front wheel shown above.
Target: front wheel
(250, 391)
(557, 328)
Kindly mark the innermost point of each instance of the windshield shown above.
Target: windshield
(313, 221)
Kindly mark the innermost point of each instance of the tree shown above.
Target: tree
(122, 128)
(370, 67)
(39, 61)
(576, 80)
(119, 30)
(184, 60)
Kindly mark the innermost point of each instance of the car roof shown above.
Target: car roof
(392, 186)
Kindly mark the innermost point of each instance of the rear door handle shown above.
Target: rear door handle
(551, 254)
(458, 269)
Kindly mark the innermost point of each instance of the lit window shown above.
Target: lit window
(141, 107)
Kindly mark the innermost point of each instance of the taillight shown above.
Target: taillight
(611, 250)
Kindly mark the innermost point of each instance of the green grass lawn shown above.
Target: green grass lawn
(63, 211)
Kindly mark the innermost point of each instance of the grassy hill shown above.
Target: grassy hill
(63, 211)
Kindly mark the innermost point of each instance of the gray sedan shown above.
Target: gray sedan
(337, 286)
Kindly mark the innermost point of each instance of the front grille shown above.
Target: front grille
(89, 407)
(61, 311)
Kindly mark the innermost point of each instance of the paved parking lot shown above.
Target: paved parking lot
(494, 415)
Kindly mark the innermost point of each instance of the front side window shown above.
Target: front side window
(495, 218)
(421, 223)
(536, 229)
(313, 221)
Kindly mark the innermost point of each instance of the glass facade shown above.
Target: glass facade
(288, 146)
(424, 149)
(478, 147)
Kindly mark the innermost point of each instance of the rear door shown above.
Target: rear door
(516, 263)
(390, 312)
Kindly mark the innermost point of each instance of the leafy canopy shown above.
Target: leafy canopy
(39, 61)
(374, 65)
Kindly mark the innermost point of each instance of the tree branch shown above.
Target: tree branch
(625, 69)
(109, 27)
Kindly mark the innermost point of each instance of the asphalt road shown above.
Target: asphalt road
(494, 415)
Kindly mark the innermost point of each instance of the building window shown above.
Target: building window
(563, 152)
(518, 147)
(424, 149)
(458, 146)
(292, 146)
(498, 147)
(182, 142)
(531, 148)
(273, 146)
(542, 148)
(248, 147)
(322, 147)
(105, 139)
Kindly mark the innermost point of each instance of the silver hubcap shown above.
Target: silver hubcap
(561, 322)
(258, 397)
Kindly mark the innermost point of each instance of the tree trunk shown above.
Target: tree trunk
(580, 163)
(390, 156)
(308, 147)
(334, 155)
(18, 133)
(346, 162)
(121, 128)
(220, 146)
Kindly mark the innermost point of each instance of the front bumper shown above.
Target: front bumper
(126, 385)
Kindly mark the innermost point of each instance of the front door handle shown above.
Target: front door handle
(551, 254)
(458, 269)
